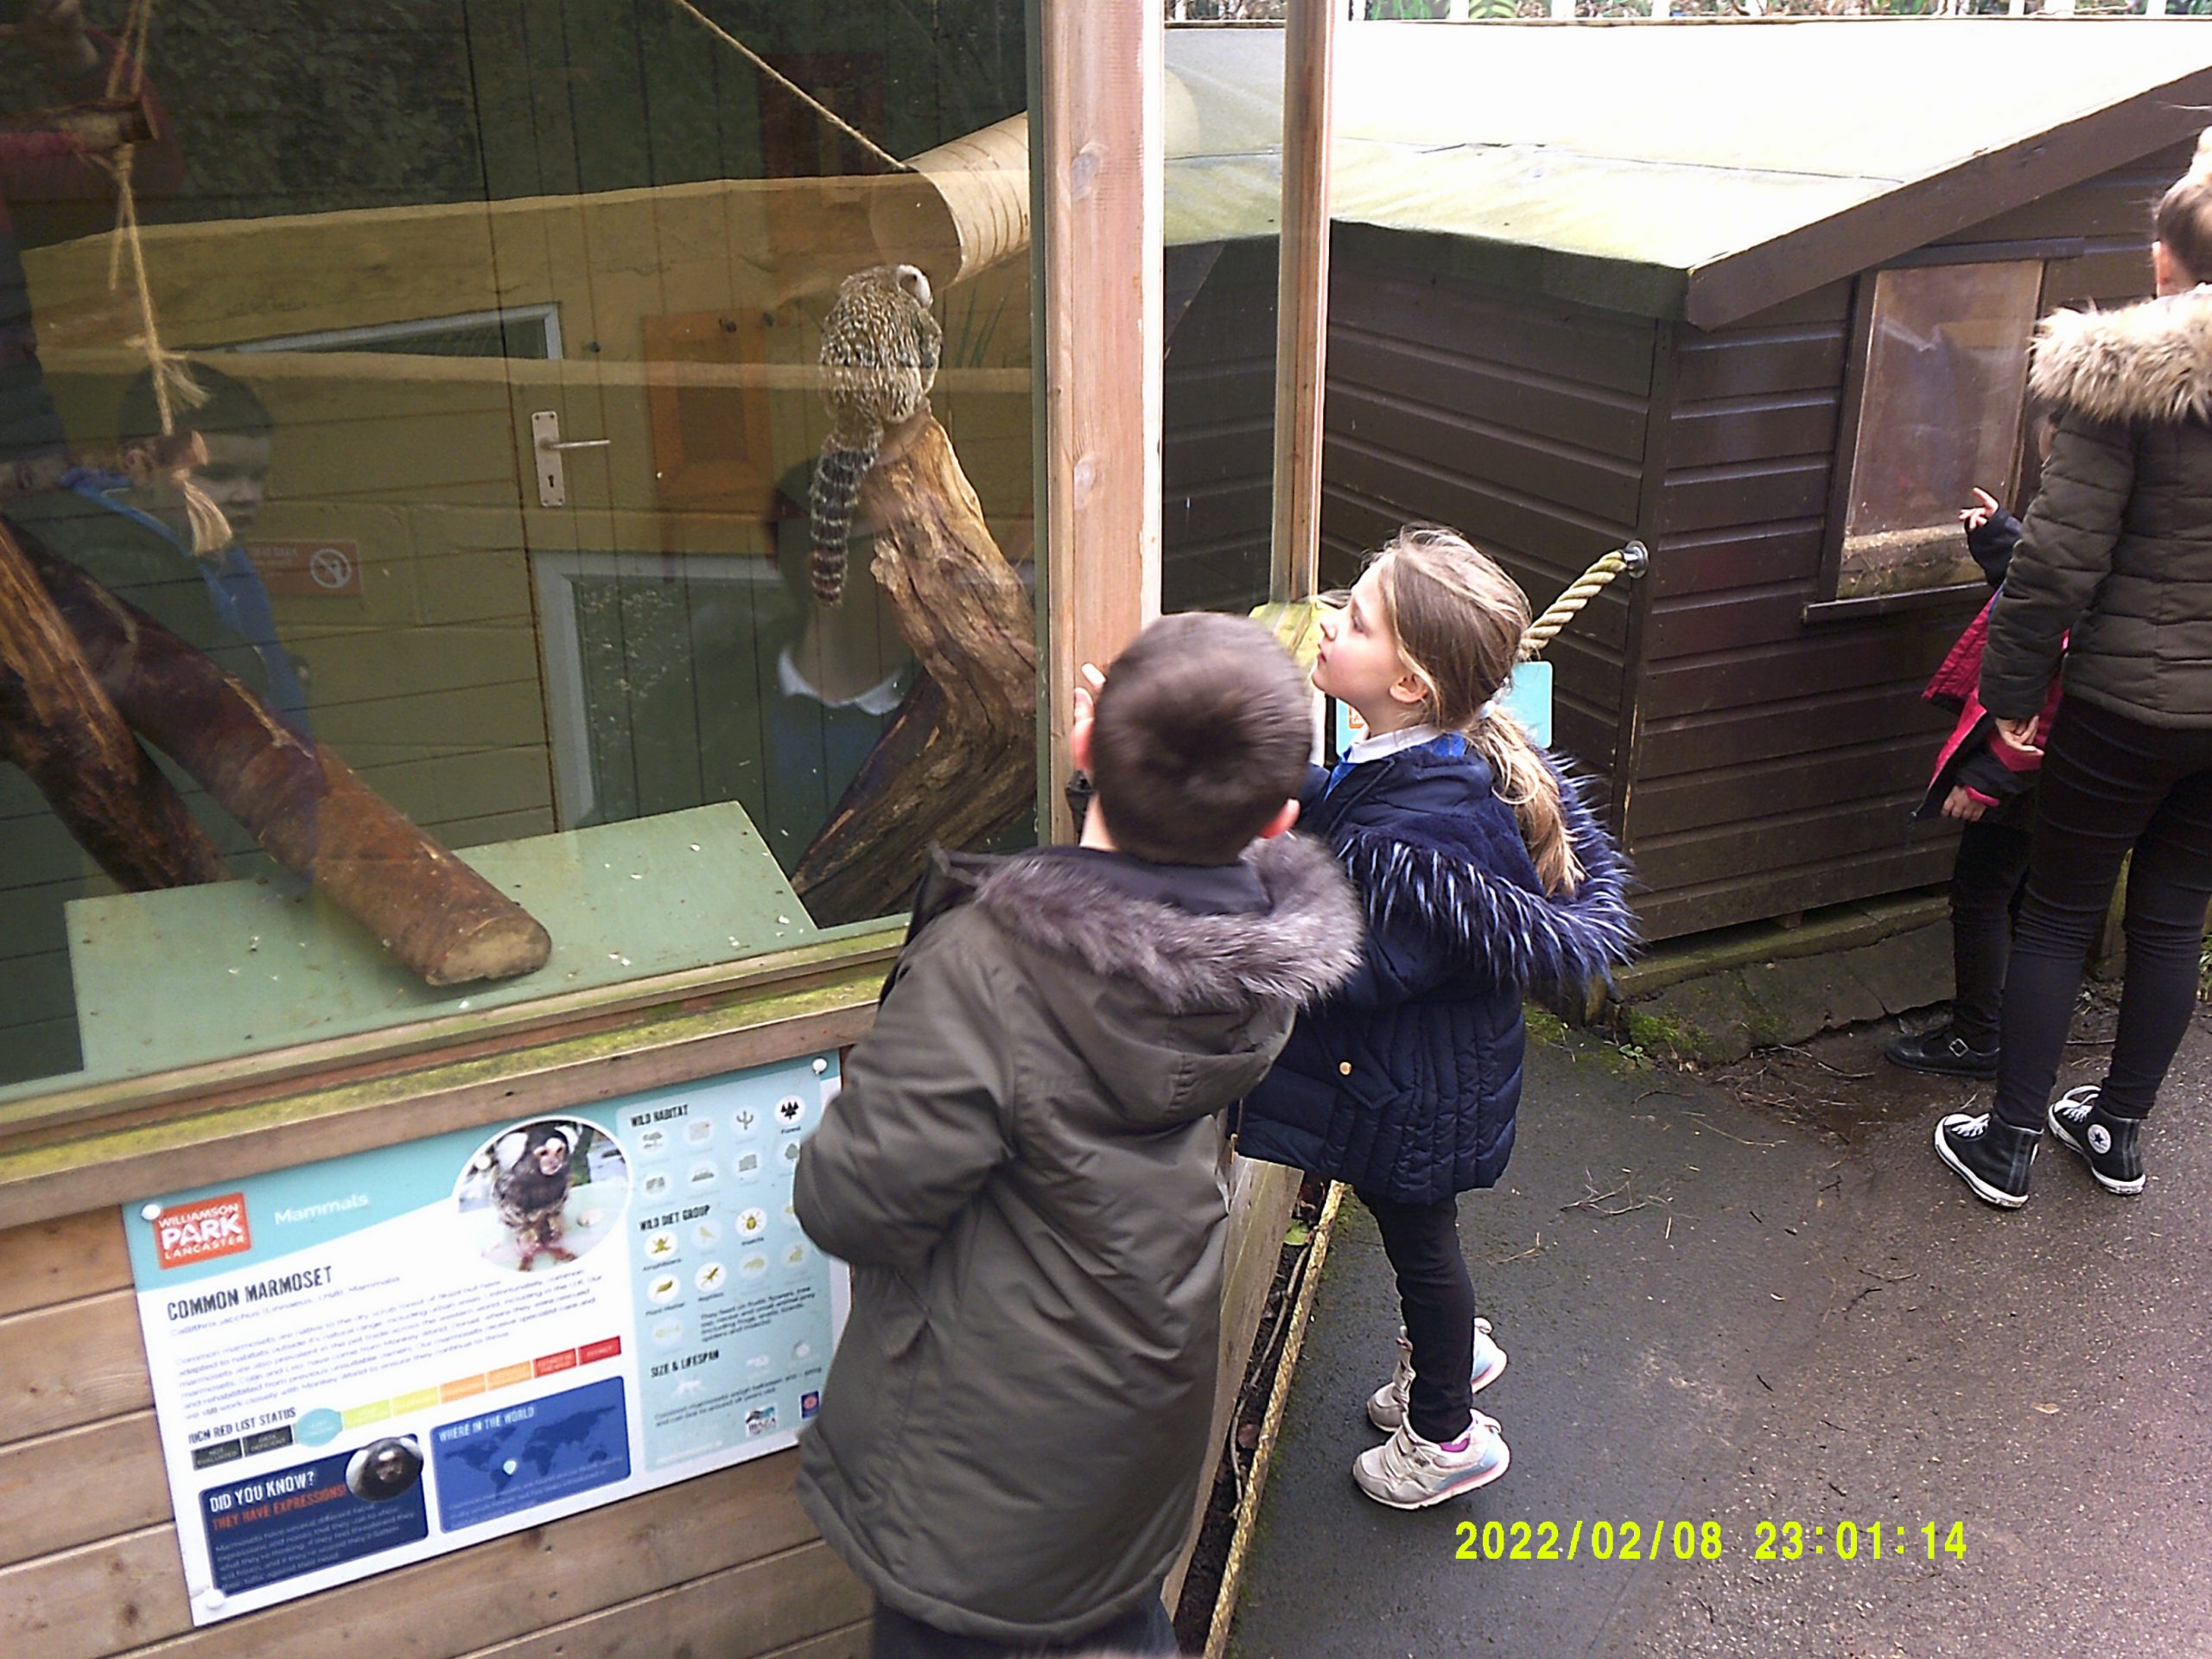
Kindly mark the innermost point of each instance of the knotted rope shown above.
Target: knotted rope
(170, 374)
(1633, 558)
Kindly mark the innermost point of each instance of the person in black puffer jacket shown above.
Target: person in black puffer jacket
(2114, 571)
(1481, 874)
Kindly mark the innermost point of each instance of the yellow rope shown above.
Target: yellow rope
(1580, 593)
(793, 88)
(1300, 1311)
(170, 373)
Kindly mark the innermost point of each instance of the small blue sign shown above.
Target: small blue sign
(500, 1462)
(1526, 696)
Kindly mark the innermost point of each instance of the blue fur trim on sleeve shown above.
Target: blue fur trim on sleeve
(1434, 878)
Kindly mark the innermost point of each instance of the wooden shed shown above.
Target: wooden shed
(1758, 294)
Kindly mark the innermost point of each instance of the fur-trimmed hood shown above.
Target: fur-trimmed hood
(1303, 945)
(2150, 362)
(1440, 875)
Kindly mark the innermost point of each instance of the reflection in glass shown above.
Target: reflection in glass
(401, 256)
(1946, 377)
(1219, 305)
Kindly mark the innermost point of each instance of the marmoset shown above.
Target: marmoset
(531, 1190)
(879, 349)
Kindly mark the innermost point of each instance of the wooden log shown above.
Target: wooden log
(305, 806)
(957, 763)
(99, 126)
(60, 726)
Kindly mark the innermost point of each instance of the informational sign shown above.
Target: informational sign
(365, 1362)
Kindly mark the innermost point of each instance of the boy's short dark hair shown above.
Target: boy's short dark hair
(1204, 729)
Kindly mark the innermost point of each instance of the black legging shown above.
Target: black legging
(1423, 1241)
(1986, 881)
(2110, 785)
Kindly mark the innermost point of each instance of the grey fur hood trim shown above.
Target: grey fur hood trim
(1302, 946)
(2147, 362)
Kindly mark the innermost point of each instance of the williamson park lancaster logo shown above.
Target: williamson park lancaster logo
(202, 1231)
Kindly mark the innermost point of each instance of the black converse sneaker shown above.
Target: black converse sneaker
(1990, 1156)
(2107, 1143)
(1944, 1051)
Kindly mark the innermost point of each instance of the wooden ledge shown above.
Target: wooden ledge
(113, 1143)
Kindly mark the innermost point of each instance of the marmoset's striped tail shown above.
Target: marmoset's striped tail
(837, 477)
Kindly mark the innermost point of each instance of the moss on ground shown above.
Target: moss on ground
(1546, 1027)
(1657, 1033)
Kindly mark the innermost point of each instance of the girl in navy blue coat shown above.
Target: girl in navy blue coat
(1481, 874)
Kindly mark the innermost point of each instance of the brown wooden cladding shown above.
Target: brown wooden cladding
(1520, 424)
(726, 1564)
(1772, 758)
(1776, 761)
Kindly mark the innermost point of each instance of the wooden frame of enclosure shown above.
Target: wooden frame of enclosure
(726, 1562)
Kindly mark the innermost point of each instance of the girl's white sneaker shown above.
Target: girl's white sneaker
(1406, 1472)
(1386, 1406)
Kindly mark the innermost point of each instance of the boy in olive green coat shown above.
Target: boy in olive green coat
(1026, 1169)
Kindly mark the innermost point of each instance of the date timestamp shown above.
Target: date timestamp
(1707, 1540)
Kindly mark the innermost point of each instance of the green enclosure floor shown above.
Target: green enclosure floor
(194, 973)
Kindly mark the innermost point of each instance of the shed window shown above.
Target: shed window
(1946, 381)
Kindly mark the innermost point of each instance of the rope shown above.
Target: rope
(1585, 588)
(793, 87)
(1300, 1311)
(170, 374)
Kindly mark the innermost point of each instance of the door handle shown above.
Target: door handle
(552, 473)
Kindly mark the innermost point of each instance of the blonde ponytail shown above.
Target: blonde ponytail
(1458, 620)
(1531, 788)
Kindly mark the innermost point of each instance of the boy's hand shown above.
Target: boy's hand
(1089, 682)
(2021, 734)
(1975, 517)
(1963, 805)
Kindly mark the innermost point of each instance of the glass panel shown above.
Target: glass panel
(1218, 300)
(1946, 377)
(485, 469)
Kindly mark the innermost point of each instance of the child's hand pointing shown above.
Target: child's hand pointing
(1975, 517)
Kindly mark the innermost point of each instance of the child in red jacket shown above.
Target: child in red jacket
(1988, 786)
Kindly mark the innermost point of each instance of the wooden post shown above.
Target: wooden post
(1102, 154)
(1302, 296)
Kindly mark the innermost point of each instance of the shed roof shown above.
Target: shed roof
(1705, 172)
